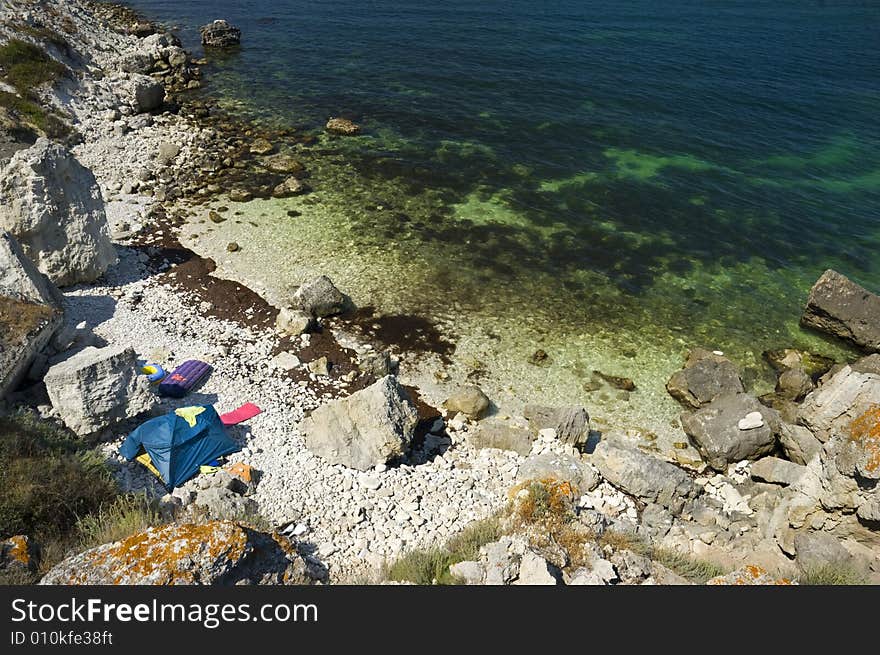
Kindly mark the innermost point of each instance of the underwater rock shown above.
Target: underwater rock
(342, 126)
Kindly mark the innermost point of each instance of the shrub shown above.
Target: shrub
(28, 66)
(34, 115)
(124, 516)
(689, 567)
(431, 566)
(832, 574)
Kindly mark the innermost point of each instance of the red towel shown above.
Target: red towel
(243, 413)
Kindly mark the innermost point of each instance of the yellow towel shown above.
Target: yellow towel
(189, 414)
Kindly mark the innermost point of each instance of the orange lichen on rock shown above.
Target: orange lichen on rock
(865, 433)
(242, 471)
(749, 574)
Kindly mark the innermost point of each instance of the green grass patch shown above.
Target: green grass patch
(124, 516)
(426, 567)
(33, 115)
(832, 574)
(27, 66)
(691, 568)
(49, 479)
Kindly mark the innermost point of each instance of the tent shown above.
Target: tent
(178, 443)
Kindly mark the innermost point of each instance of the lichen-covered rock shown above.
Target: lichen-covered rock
(556, 466)
(572, 424)
(53, 206)
(19, 553)
(320, 297)
(212, 553)
(840, 307)
(469, 400)
(220, 34)
(731, 428)
(643, 476)
(342, 126)
(369, 427)
(831, 409)
(705, 376)
(97, 388)
(749, 575)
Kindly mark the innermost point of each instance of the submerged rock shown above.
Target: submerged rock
(220, 34)
(370, 427)
(342, 126)
(705, 376)
(53, 206)
(840, 307)
(212, 553)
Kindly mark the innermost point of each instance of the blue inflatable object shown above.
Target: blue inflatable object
(176, 449)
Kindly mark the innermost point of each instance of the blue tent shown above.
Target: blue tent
(176, 449)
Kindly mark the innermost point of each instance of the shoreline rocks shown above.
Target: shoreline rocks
(705, 376)
(840, 307)
(220, 34)
(368, 428)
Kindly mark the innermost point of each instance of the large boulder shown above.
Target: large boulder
(368, 428)
(320, 297)
(212, 553)
(556, 466)
(650, 479)
(840, 307)
(97, 388)
(777, 471)
(705, 376)
(143, 93)
(469, 400)
(572, 424)
(53, 206)
(220, 34)
(831, 409)
(798, 443)
(817, 550)
(731, 428)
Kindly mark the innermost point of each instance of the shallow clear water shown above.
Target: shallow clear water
(612, 182)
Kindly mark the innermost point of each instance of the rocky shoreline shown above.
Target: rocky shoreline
(348, 470)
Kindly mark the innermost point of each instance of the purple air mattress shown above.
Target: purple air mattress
(184, 378)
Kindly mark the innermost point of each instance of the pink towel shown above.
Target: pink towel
(243, 413)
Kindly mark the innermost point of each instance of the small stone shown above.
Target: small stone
(751, 421)
(232, 247)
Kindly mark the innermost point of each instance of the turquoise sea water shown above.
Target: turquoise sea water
(657, 174)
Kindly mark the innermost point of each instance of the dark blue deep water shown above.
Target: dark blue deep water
(727, 152)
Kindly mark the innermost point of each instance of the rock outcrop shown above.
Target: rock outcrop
(731, 428)
(53, 206)
(97, 388)
(368, 428)
(212, 553)
(220, 34)
(840, 307)
(643, 476)
(705, 376)
(831, 409)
